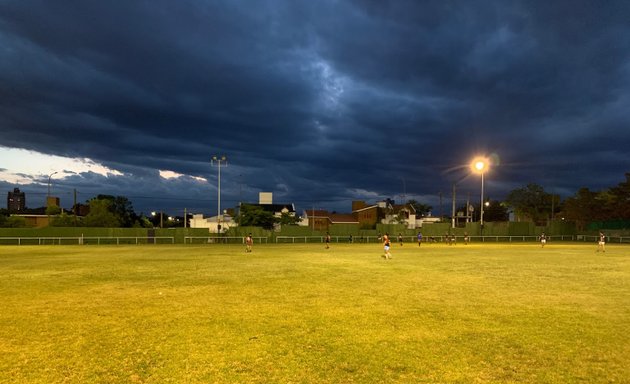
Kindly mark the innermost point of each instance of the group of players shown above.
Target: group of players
(449, 239)
(601, 242)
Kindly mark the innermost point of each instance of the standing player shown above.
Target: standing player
(419, 238)
(543, 240)
(601, 242)
(386, 246)
(466, 239)
(327, 240)
(249, 241)
(400, 238)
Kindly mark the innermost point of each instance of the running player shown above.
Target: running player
(386, 246)
(601, 242)
(249, 241)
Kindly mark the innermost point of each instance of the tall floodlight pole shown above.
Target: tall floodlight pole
(453, 208)
(480, 165)
(49, 177)
(481, 205)
(218, 161)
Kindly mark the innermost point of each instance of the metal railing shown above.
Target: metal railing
(222, 240)
(86, 240)
(118, 240)
(445, 239)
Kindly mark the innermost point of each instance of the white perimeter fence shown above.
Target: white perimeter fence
(292, 239)
(85, 240)
(222, 240)
(444, 239)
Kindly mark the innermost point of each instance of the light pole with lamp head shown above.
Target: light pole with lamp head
(480, 165)
(219, 161)
(49, 177)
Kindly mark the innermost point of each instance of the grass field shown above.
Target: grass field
(482, 313)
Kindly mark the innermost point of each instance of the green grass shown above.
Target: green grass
(301, 314)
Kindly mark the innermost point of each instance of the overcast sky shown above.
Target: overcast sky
(320, 102)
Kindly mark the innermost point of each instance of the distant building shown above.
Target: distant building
(366, 215)
(347, 219)
(35, 220)
(265, 201)
(321, 220)
(81, 209)
(316, 219)
(16, 201)
(212, 223)
(52, 201)
(403, 213)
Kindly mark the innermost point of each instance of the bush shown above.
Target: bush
(15, 222)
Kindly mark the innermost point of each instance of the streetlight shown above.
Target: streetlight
(49, 176)
(480, 165)
(218, 161)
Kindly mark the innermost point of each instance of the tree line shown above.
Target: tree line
(586, 206)
(102, 211)
(529, 203)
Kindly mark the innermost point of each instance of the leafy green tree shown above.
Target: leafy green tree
(101, 215)
(64, 220)
(401, 217)
(122, 208)
(288, 219)
(530, 203)
(621, 203)
(606, 203)
(588, 206)
(421, 209)
(495, 211)
(255, 216)
(53, 210)
(15, 222)
(143, 222)
(581, 208)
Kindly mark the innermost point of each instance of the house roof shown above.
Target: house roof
(366, 208)
(339, 218)
(400, 207)
(316, 213)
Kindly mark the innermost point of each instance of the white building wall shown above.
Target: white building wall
(198, 221)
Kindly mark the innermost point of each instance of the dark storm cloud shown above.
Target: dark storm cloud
(321, 101)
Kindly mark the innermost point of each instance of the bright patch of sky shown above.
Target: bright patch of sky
(21, 166)
(332, 84)
(174, 175)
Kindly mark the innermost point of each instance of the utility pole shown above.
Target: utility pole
(219, 161)
(468, 210)
(74, 207)
(404, 195)
(453, 209)
(49, 177)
